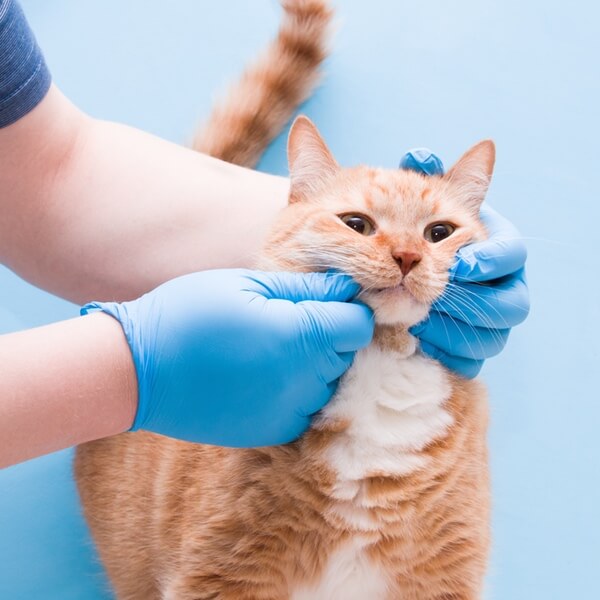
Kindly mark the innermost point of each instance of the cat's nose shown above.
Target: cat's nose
(406, 260)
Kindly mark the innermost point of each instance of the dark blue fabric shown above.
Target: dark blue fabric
(24, 76)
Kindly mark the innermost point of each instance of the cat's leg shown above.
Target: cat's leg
(114, 476)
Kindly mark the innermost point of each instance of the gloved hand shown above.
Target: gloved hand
(239, 357)
(487, 293)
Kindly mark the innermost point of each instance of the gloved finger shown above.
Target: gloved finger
(468, 368)
(346, 359)
(331, 390)
(345, 326)
(459, 339)
(502, 254)
(293, 432)
(297, 287)
(422, 160)
(316, 400)
(499, 306)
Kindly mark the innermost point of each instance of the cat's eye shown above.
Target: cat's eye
(438, 232)
(359, 223)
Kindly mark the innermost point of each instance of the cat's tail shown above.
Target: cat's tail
(261, 103)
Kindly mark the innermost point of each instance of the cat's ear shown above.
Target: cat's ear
(311, 163)
(472, 174)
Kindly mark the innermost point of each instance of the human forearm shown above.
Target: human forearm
(91, 209)
(64, 384)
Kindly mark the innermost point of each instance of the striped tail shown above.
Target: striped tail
(268, 93)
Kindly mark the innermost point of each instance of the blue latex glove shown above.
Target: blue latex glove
(239, 357)
(487, 293)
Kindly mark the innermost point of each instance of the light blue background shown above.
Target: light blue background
(403, 74)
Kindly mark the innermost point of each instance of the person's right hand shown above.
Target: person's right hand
(486, 295)
(239, 357)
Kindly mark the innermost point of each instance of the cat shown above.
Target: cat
(386, 496)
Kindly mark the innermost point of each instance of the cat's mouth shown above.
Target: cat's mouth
(398, 289)
(392, 288)
(395, 304)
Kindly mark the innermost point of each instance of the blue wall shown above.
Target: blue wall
(437, 74)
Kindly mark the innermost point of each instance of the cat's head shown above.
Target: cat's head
(396, 232)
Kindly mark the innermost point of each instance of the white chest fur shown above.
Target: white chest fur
(394, 405)
(349, 575)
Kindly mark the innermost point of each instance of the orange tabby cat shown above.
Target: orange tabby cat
(387, 495)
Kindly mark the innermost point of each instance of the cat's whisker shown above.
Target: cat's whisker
(465, 298)
(469, 295)
(460, 327)
(470, 304)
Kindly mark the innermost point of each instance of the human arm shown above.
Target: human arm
(228, 357)
(92, 209)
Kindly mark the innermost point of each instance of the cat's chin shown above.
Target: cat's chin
(396, 306)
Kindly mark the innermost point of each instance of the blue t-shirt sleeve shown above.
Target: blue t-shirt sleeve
(24, 76)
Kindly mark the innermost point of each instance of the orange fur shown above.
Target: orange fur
(174, 520)
(248, 524)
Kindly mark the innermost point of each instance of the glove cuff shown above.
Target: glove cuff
(121, 314)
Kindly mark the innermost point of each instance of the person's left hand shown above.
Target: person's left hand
(486, 295)
(241, 358)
